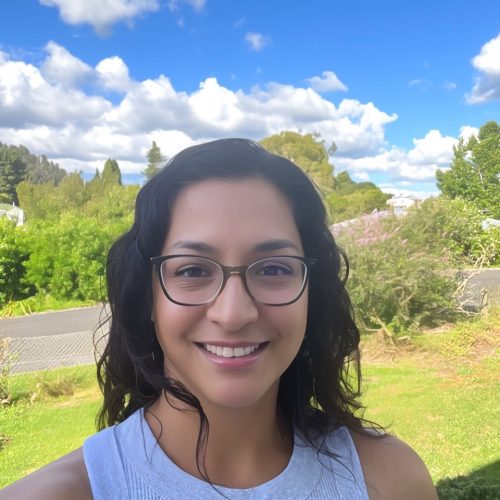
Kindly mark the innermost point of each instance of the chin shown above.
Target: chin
(239, 398)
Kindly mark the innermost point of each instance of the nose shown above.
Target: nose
(233, 308)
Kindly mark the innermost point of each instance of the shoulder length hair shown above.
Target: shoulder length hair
(319, 390)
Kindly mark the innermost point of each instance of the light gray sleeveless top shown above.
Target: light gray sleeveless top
(125, 462)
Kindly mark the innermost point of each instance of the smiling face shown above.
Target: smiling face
(232, 351)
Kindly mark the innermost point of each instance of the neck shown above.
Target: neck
(245, 447)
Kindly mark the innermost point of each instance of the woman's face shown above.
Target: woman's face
(233, 223)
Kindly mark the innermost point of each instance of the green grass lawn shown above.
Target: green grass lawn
(452, 421)
(41, 303)
(445, 403)
(33, 434)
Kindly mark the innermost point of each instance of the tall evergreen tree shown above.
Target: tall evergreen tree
(40, 170)
(111, 174)
(155, 161)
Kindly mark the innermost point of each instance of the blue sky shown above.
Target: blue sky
(393, 84)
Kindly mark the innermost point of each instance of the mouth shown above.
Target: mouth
(232, 352)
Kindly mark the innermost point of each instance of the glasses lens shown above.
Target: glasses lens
(191, 279)
(276, 280)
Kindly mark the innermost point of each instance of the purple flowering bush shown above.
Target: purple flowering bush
(396, 283)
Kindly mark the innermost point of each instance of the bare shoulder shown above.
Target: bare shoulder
(65, 478)
(392, 469)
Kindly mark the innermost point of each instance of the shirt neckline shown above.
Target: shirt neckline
(144, 454)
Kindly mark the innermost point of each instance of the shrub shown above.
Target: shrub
(52, 388)
(396, 284)
(68, 256)
(12, 258)
(454, 226)
(464, 488)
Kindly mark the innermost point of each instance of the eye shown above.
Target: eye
(192, 272)
(272, 268)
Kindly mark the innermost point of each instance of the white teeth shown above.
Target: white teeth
(229, 352)
(239, 351)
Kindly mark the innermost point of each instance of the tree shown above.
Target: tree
(155, 160)
(71, 193)
(344, 184)
(37, 169)
(344, 198)
(307, 152)
(41, 171)
(111, 175)
(12, 172)
(474, 174)
(39, 201)
(351, 199)
(356, 200)
(17, 164)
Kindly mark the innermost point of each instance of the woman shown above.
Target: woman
(225, 370)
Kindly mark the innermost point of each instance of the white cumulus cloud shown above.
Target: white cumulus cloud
(27, 98)
(327, 82)
(433, 149)
(257, 41)
(113, 74)
(418, 164)
(487, 84)
(48, 112)
(58, 120)
(467, 132)
(62, 67)
(101, 14)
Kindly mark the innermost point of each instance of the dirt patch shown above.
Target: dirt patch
(445, 349)
(375, 349)
(79, 397)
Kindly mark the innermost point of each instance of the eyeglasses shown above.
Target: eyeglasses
(189, 280)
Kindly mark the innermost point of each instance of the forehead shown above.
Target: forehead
(231, 213)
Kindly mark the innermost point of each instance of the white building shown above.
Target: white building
(401, 204)
(12, 212)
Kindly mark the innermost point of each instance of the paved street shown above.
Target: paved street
(50, 340)
(51, 323)
(487, 281)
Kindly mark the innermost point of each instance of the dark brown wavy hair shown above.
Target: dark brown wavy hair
(319, 391)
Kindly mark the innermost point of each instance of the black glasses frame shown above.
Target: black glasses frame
(231, 270)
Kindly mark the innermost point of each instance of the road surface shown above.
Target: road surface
(50, 340)
(488, 280)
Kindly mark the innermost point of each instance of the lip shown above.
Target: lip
(232, 344)
(241, 362)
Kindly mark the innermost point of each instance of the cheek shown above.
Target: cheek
(290, 320)
(173, 323)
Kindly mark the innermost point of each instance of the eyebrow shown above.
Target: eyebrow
(265, 246)
(196, 246)
(271, 245)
